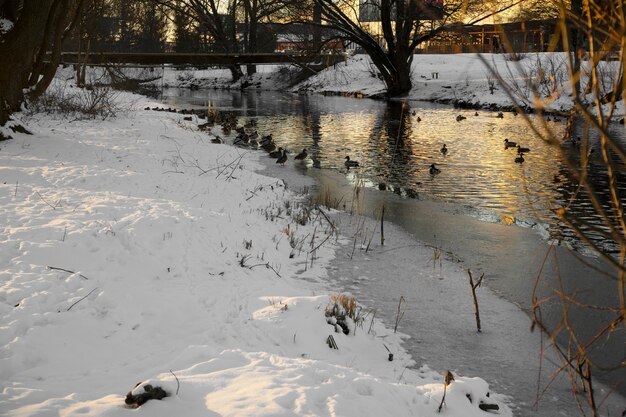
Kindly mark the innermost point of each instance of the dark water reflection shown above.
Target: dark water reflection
(478, 175)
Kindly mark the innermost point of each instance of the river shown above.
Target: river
(465, 210)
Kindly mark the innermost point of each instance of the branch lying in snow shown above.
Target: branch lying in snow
(268, 266)
(44, 200)
(67, 270)
(70, 307)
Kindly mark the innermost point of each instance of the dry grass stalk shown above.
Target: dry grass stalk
(594, 37)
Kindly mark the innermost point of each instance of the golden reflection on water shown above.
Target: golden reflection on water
(395, 148)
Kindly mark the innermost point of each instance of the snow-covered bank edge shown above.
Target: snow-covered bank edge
(461, 80)
(134, 249)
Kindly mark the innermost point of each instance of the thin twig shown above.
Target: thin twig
(70, 307)
(68, 271)
(177, 381)
(44, 200)
(268, 266)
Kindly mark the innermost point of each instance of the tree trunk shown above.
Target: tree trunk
(19, 46)
(39, 29)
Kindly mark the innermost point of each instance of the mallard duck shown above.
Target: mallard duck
(522, 150)
(509, 144)
(444, 149)
(302, 155)
(434, 170)
(350, 164)
(283, 158)
(520, 158)
(276, 154)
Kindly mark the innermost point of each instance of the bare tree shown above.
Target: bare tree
(405, 25)
(215, 17)
(31, 47)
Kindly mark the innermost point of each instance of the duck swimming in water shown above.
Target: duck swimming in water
(520, 158)
(434, 170)
(509, 144)
(444, 149)
(350, 164)
(522, 150)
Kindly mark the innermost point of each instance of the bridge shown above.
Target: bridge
(200, 59)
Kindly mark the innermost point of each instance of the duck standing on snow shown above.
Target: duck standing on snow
(283, 158)
(434, 170)
(301, 156)
(276, 154)
(509, 144)
(444, 149)
(350, 164)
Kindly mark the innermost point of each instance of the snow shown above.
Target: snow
(135, 250)
(5, 25)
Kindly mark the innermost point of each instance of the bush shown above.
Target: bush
(90, 102)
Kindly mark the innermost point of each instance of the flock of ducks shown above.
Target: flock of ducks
(520, 150)
(247, 136)
(433, 170)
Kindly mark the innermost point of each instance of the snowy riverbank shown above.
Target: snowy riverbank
(461, 79)
(135, 250)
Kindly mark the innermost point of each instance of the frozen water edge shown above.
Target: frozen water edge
(438, 312)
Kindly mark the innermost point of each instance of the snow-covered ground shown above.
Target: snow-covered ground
(134, 250)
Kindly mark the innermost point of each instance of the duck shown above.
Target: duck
(216, 139)
(351, 164)
(444, 149)
(241, 139)
(268, 146)
(419, 119)
(460, 117)
(509, 144)
(301, 156)
(283, 158)
(522, 150)
(276, 154)
(500, 115)
(520, 158)
(434, 170)
(476, 114)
